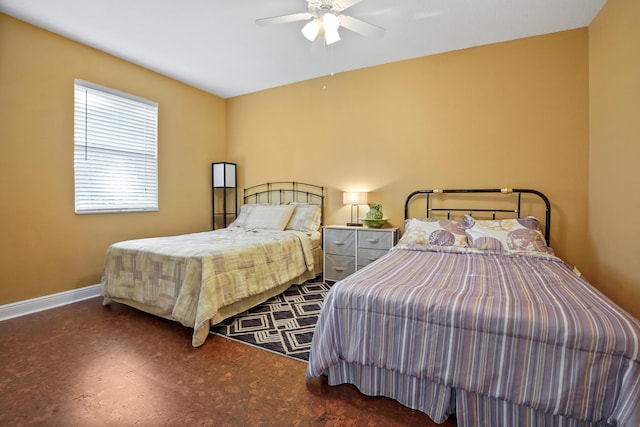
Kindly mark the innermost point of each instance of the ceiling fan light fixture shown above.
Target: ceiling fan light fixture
(330, 22)
(331, 37)
(324, 18)
(311, 29)
(330, 25)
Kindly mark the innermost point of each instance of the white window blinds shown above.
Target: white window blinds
(115, 151)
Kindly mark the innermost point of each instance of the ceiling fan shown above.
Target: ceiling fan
(325, 17)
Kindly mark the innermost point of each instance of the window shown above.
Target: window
(115, 151)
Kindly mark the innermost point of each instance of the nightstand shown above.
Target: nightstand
(348, 249)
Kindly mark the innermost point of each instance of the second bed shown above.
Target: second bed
(203, 278)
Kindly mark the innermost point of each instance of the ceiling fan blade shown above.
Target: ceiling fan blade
(359, 26)
(284, 19)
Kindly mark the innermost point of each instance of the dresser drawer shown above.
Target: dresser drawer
(367, 256)
(348, 249)
(337, 267)
(339, 242)
(375, 239)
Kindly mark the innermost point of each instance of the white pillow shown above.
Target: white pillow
(243, 217)
(306, 218)
(269, 217)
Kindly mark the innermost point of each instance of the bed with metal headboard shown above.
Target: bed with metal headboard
(472, 313)
(200, 279)
(284, 192)
(308, 214)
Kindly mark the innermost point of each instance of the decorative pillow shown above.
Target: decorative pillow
(306, 218)
(243, 217)
(433, 232)
(515, 235)
(269, 217)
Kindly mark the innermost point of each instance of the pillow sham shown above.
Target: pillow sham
(269, 217)
(243, 216)
(433, 232)
(306, 218)
(514, 235)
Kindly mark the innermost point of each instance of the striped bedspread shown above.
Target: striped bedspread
(524, 329)
(188, 278)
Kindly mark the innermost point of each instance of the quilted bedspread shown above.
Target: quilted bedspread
(524, 329)
(188, 278)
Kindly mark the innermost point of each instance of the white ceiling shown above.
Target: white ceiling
(216, 46)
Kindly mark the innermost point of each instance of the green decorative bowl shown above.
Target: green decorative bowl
(374, 223)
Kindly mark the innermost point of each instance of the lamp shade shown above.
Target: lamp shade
(354, 198)
(330, 25)
(224, 175)
(330, 37)
(311, 29)
(330, 22)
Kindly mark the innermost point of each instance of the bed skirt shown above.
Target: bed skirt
(416, 393)
(439, 402)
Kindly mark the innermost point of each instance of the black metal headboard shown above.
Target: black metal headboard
(282, 192)
(513, 204)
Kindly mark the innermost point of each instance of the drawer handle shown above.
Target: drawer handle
(338, 243)
(339, 269)
(373, 240)
(372, 258)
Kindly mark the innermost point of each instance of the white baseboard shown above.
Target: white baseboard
(46, 302)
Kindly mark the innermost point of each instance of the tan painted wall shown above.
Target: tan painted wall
(509, 114)
(45, 248)
(512, 114)
(614, 184)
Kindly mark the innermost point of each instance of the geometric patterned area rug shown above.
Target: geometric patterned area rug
(283, 324)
